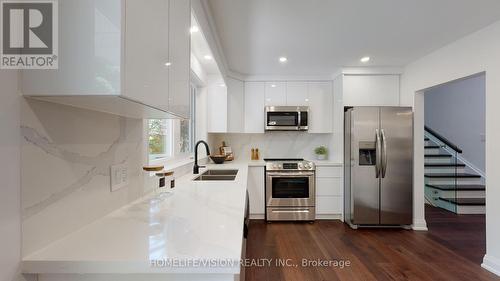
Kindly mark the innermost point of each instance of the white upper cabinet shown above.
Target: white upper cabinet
(217, 104)
(179, 56)
(254, 106)
(235, 105)
(371, 90)
(297, 94)
(275, 93)
(119, 49)
(146, 75)
(320, 95)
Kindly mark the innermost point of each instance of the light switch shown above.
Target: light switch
(119, 176)
(483, 138)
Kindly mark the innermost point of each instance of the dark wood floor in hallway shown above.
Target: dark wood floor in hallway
(452, 249)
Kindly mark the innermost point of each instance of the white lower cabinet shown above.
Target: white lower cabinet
(329, 192)
(256, 191)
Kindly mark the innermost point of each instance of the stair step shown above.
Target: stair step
(432, 146)
(426, 139)
(436, 155)
(452, 175)
(444, 165)
(465, 201)
(461, 187)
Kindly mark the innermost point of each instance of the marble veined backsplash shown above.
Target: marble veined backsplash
(66, 156)
(278, 144)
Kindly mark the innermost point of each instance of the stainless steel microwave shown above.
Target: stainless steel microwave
(287, 118)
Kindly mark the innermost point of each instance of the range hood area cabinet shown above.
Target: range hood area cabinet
(124, 57)
(318, 95)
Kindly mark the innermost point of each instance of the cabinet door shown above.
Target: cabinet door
(217, 105)
(321, 107)
(254, 107)
(275, 93)
(146, 52)
(235, 105)
(297, 94)
(371, 90)
(256, 190)
(179, 56)
(90, 42)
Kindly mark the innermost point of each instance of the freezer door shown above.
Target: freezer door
(396, 188)
(365, 159)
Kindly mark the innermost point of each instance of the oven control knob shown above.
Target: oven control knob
(307, 166)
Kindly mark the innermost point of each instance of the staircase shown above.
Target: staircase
(449, 183)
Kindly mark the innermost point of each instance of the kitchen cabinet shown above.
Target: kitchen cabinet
(256, 191)
(320, 96)
(297, 93)
(217, 105)
(329, 192)
(371, 90)
(254, 107)
(125, 57)
(235, 105)
(275, 94)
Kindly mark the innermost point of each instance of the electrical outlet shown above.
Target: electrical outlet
(119, 176)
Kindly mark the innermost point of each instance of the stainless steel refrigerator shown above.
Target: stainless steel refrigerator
(378, 166)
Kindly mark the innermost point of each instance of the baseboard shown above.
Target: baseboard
(420, 225)
(491, 264)
(328, 216)
(257, 216)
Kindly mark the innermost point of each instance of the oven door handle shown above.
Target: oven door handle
(282, 210)
(287, 174)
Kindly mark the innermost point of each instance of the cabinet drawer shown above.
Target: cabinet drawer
(328, 172)
(328, 187)
(328, 205)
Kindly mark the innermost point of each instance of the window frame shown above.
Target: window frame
(174, 139)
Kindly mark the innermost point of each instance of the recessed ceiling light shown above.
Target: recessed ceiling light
(365, 59)
(168, 63)
(283, 59)
(194, 29)
(273, 86)
(208, 57)
(222, 85)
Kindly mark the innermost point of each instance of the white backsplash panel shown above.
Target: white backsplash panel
(277, 144)
(66, 156)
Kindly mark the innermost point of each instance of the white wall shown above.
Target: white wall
(457, 111)
(10, 190)
(278, 145)
(473, 54)
(66, 154)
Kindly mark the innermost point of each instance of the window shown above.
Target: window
(160, 138)
(172, 138)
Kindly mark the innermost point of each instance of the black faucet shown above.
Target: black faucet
(196, 168)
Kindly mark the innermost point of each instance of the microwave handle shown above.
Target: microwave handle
(299, 119)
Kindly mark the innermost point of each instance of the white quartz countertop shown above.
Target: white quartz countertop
(198, 228)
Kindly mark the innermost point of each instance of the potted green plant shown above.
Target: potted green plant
(321, 152)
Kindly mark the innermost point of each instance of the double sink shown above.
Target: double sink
(217, 175)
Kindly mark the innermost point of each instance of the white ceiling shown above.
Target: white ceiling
(320, 36)
(200, 48)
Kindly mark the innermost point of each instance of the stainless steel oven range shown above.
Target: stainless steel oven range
(290, 190)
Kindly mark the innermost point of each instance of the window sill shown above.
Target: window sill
(172, 163)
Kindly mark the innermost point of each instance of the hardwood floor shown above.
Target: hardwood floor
(374, 254)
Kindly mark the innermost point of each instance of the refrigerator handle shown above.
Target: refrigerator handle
(378, 149)
(384, 153)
